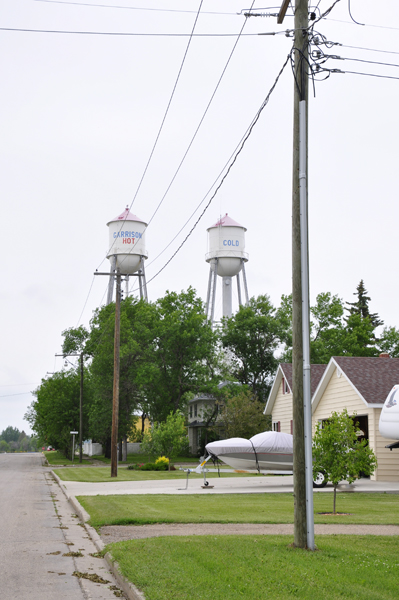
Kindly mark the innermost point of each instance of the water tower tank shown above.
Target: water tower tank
(226, 242)
(127, 241)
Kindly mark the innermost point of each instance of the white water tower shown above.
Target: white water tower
(127, 250)
(226, 257)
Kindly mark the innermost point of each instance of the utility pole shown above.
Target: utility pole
(115, 396)
(303, 496)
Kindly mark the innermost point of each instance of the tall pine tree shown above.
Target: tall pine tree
(361, 306)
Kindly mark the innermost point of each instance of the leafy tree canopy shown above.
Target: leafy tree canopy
(252, 337)
(10, 434)
(239, 415)
(166, 439)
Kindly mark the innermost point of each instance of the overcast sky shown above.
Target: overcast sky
(79, 115)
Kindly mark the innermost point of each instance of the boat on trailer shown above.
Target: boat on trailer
(267, 451)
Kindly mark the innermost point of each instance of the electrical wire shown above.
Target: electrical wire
(370, 49)
(116, 34)
(162, 123)
(135, 7)
(350, 14)
(87, 297)
(365, 24)
(189, 147)
(366, 74)
(232, 161)
(370, 62)
(201, 120)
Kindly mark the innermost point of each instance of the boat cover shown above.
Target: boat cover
(268, 441)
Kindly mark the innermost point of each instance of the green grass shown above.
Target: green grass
(261, 567)
(103, 475)
(372, 509)
(56, 458)
(142, 458)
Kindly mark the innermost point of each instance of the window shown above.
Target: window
(191, 411)
(195, 410)
(276, 425)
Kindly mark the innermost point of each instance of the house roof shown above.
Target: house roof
(285, 370)
(371, 377)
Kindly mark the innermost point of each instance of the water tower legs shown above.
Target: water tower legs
(227, 297)
(244, 278)
(111, 280)
(142, 281)
(239, 289)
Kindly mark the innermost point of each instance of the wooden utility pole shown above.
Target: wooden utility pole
(300, 94)
(115, 400)
(81, 410)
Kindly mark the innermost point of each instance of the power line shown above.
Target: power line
(190, 144)
(365, 24)
(201, 120)
(87, 297)
(171, 10)
(370, 62)
(370, 49)
(168, 106)
(231, 161)
(162, 122)
(116, 34)
(11, 395)
(366, 74)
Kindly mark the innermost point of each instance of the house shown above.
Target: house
(200, 409)
(359, 384)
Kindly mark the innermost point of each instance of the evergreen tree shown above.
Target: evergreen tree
(361, 306)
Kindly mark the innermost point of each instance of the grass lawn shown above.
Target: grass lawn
(142, 458)
(56, 458)
(103, 474)
(373, 509)
(259, 567)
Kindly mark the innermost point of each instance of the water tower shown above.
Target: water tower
(127, 250)
(226, 257)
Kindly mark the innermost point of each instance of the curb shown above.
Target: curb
(128, 588)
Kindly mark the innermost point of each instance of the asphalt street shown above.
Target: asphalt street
(38, 526)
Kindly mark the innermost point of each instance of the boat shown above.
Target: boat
(266, 451)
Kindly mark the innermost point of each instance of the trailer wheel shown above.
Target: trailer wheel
(320, 480)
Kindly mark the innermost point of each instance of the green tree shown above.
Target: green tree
(55, 412)
(389, 341)
(252, 337)
(338, 453)
(361, 306)
(4, 446)
(10, 434)
(239, 415)
(75, 339)
(136, 344)
(184, 354)
(166, 439)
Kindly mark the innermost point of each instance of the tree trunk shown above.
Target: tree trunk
(120, 450)
(107, 448)
(124, 449)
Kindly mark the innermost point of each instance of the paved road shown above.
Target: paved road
(32, 541)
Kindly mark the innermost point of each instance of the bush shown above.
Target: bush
(162, 460)
(150, 467)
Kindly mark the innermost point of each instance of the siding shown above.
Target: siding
(338, 395)
(282, 410)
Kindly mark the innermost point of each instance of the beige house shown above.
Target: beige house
(359, 384)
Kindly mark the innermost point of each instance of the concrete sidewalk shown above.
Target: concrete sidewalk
(225, 485)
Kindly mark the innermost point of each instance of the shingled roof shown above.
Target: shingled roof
(316, 373)
(372, 377)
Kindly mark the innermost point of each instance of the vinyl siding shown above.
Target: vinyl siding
(282, 410)
(340, 394)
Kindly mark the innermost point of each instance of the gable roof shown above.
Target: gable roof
(285, 370)
(371, 377)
